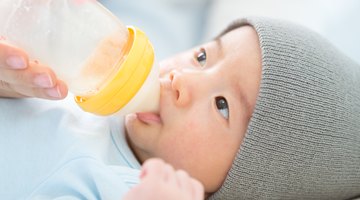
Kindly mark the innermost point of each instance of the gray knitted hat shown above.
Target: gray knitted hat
(303, 139)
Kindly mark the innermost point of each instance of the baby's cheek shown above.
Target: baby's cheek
(172, 149)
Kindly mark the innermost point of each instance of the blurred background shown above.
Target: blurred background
(177, 25)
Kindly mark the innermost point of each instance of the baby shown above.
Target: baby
(267, 110)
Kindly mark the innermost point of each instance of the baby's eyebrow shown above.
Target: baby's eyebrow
(219, 45)
(233, 26)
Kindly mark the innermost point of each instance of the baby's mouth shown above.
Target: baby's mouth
(149, 117)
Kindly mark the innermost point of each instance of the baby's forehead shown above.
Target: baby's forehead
(231, 27)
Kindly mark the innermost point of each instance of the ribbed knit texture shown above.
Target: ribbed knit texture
(303, 139)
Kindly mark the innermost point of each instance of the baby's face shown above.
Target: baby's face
(207, 97)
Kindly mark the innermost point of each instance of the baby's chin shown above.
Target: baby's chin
(142, 130)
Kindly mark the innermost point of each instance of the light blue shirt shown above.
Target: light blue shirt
(54, 150)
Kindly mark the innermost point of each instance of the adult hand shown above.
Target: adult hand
(20, 77)
(161, 181)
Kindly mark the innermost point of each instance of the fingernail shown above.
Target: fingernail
(43, 80)
(54, 92)
(16, 62)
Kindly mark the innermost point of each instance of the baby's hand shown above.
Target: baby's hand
(20, 77)
(161, 181)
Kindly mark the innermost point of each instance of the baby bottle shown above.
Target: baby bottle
(109, 67)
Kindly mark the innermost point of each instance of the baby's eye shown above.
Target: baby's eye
(222, 106)
(200, 57)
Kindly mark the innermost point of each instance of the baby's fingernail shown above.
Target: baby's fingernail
(16, 62)
(43, 80)
(54, 92)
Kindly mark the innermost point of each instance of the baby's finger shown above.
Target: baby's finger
(183, 180)
(190, 185)
(12, 57)
(151, 168)
(197, 189)
(169, 174)
(158, 169)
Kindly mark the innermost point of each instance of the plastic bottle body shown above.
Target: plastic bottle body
(82, 41)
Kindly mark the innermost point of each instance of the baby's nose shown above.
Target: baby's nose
(181, 86)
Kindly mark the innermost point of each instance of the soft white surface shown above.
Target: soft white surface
(337, 20)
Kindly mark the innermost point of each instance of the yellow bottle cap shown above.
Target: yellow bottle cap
(131, 75)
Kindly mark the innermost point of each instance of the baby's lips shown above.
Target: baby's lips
(149, 117)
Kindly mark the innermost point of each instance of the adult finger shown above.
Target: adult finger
(36, 75)
(59, 91)
(12, 57)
